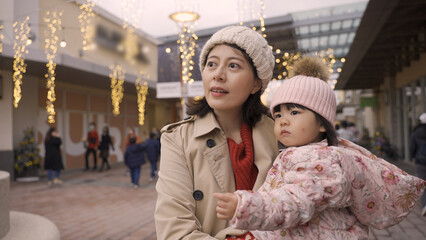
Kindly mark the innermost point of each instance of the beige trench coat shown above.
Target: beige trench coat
(195, 163)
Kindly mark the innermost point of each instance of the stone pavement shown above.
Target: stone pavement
(104, 206)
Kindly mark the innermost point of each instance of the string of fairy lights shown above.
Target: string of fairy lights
(142, 91)
(51, 42)
(252, 9)
(117, 76)
(132, 12)
(22, 31)
(86, 19)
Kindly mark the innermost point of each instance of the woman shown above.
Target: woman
(106, 141)
(53, 158)
(226, 145)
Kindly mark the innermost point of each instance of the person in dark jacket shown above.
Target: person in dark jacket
(106, 141)
(134, 158)
(418, 151)
(152, 146)
(53, 158)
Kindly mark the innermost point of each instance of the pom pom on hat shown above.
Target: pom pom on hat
(308, 87)
(253, 44)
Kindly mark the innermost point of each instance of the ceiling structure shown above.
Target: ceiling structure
(384, 43)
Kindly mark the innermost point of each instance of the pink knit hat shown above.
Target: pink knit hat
(307, 89)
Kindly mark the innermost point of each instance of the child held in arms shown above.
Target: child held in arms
(319, 187)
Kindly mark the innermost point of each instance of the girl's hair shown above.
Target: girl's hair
(253, 109)
(330, 133)
(49, 134)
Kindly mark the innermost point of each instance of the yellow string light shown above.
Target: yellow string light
(51, 42)
(247, 12)
(1, 38)
(22, 31)
(117, 76)
(284, 64)
(86, 18)
(187, 37)
(132, 12)
(142, 91)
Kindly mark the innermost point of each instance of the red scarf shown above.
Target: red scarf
(242, 159)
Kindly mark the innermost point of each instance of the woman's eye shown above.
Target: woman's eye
(233, 65)
(210, 64)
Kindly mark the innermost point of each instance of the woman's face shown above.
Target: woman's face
(228, 79)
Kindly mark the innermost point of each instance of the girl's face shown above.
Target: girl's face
(228, 79)
(297, 127)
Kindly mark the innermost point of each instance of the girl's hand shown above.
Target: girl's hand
(226, 205)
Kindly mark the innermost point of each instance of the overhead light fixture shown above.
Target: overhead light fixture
(184, 16)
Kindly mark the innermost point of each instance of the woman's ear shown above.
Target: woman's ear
(257, 86)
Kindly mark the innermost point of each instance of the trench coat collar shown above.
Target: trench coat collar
(205, 124)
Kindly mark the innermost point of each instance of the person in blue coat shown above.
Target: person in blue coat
(152, 148)
(134, 158)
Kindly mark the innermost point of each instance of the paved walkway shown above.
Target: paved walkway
(104, 206)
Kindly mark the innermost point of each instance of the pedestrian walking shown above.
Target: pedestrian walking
(104, 145)
(152, 148)
(418, 152)
(92, 145)
(315, 188)
(134, 158)
(53, 156)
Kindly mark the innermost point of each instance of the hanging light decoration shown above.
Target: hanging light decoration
(86, 18)
(51, 42)
(142, 91)
(186, 18)
(117, 76)
(252, 9)
(22, 31)
(329, 59)
(1, 38)
(132, 12)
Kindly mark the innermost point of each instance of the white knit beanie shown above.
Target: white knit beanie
(252, 42)
(311, 92)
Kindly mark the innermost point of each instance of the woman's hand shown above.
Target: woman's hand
(226, 205)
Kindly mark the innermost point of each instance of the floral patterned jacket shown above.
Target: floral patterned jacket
(325, 192)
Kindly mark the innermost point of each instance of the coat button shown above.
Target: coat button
(198, 195)
(210, 143)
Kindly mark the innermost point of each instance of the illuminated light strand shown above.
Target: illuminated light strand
(247, 12)
(142, 91)
(132, 12)
(187, 39)
(86, 18)
(329, 59)
(22, 31)
(51, 42)
(1, 38)
(117, 76)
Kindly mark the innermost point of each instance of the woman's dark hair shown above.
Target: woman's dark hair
(49, 134)
(253, 109)
(330, 132)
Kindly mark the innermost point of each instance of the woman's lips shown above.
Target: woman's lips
(217, 91)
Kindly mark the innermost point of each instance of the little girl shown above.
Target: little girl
(317, 187)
